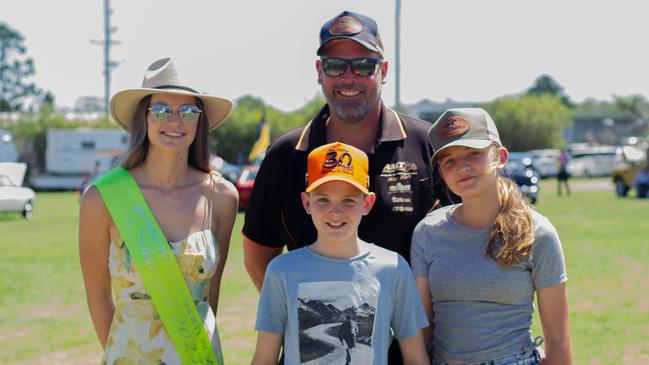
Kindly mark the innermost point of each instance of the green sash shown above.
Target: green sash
(157, 265)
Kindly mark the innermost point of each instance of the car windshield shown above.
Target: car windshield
(252, 175)
(633, 154)
(248, 175)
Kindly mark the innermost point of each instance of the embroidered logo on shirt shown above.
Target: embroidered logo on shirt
(399, 177)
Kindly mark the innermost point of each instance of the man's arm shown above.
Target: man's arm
(256, 258)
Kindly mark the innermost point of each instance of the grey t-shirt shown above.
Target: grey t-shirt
(482, 310)
(330, 310)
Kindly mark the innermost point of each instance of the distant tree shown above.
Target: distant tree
(591, 107)
(47, 101)
(14, 69)
(530, 122)
(635, 105)
(89, 104)
(546, 85)
(234, 138)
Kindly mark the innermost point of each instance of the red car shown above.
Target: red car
(245, 183)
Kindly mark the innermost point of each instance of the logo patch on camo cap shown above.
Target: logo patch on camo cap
(345, 25)
(452, 128)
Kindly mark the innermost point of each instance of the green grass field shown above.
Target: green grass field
(44, 320)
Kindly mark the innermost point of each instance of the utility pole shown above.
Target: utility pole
(107, 43)
(397, 60)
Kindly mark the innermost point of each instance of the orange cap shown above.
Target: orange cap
(337, 162)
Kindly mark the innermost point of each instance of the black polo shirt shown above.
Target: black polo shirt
(400, 176)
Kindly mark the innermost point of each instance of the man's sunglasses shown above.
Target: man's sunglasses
(161, 112)
(361, 67)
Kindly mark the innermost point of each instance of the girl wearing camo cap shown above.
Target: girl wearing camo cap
(478, 263)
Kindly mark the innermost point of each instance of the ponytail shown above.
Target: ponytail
(512, 227)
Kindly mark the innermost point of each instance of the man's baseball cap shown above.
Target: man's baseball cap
(469, 127)
(337, 162)
(353, 26)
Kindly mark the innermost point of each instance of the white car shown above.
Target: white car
(595, 162)
(545, 161)
(13, 196)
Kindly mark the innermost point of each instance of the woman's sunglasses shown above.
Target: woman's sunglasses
(361, 67)
(161, 112)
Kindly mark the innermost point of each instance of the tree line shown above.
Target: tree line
(533, 119)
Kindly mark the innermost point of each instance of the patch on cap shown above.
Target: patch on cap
(453, 128)
(342, 163)
(346, 25)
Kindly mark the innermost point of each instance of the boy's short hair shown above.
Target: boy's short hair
(337, 162)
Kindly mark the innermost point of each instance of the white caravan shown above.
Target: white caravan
(73, 154)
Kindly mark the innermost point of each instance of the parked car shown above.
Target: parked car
(13, 196)
(8, 151)
(545, 161)
(592, 161)
(630, 163)
(245, 183)
(229, 171)
(519, 168)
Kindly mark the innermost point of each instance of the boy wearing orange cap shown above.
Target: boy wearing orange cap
(339, 300)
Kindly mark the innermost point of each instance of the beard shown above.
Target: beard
(352, 110)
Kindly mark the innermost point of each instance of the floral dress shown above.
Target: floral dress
(137, 335)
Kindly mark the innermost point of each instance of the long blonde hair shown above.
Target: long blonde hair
(512, 229)
(199, 155)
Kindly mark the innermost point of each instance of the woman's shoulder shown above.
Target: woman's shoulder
(93, 209)
(221, 184)
(221, 189)
(91, 199)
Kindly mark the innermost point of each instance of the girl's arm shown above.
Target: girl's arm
(94, 222)
(413, 350)
(553, 310)
(224, 202)
(267, 350)
(424, 292)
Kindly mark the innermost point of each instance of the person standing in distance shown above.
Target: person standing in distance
(351, 70)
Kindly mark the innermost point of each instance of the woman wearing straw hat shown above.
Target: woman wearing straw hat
(154, 233)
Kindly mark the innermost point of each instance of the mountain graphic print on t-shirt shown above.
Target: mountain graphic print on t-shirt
(336, 321)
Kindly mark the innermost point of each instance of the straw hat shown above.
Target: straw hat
(162, 78)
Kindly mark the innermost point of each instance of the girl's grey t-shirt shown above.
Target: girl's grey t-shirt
(482, 311)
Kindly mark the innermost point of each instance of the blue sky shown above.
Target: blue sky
(464, 50)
